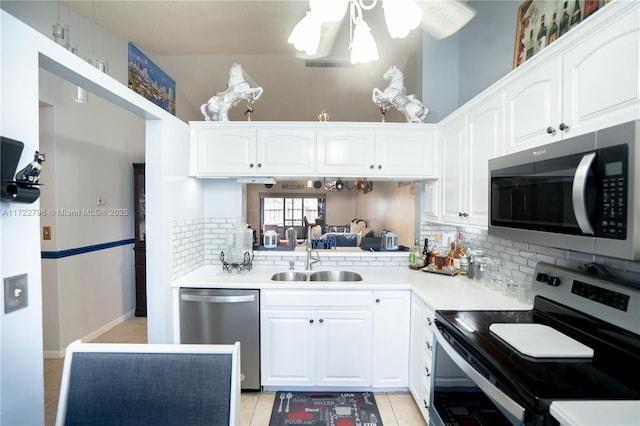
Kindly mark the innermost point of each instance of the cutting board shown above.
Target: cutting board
(540, 341)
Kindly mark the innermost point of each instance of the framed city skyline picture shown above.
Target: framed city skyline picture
(541, 22)
(148, 80)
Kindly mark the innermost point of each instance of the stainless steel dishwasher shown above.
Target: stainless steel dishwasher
(224, 316)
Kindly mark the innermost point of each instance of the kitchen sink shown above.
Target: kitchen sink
(289, 276)
(335, 276)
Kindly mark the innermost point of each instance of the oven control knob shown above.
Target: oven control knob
(543, 278)
(554, 281)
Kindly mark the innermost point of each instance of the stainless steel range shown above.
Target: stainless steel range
(580, 342)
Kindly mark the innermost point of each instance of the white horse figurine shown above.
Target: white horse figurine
(217, 108)
(396, 95)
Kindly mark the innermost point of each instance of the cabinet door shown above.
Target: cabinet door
(533, 106)
(346, 153)
(416, 348)
(288, 348)
(453, 164)
(391, 323)
(485, 138)
(601, 85)
(406, 152)
(287, 152)
(344, 348)
(224, 152)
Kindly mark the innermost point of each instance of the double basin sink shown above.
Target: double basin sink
(333, 276)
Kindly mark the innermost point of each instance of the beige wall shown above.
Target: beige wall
(389, 206)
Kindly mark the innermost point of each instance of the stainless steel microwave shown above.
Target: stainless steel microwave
(579, 194)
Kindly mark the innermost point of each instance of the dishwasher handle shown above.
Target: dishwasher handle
(217, 299)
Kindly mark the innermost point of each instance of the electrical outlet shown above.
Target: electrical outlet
(46, 232)
(15, 293)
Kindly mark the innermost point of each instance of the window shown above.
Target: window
(290, 211)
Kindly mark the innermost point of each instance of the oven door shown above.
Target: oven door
(461, 394)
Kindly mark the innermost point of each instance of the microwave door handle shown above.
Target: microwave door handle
(579, 193)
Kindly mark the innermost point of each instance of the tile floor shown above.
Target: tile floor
(395, 408)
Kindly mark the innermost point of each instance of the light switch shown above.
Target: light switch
(46, 232)
(15, 293)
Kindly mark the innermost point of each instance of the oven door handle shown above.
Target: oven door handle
(506, 403)
(579, 191)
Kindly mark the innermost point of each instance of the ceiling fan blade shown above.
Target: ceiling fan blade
(441, 18)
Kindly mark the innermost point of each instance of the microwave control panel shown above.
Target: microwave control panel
(612, 221)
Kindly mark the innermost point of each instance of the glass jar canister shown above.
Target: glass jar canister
(239, 242)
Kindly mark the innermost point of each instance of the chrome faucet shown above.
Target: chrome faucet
(308, 266)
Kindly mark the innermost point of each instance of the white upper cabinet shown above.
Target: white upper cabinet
(534, 107)
(485, 140)
(389, 150)
(218, 152)
(601, 83)
(452, 187)
(304, 150)
(409, 152)
(587, 81)
(470, 137)
(286, 152)
(346, 152)
(241, 149)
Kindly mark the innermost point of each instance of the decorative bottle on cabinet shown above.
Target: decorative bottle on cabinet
(564, 21)
(139, 245)
(553, 32)
(542, 34)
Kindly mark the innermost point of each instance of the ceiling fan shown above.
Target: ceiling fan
(316, 33)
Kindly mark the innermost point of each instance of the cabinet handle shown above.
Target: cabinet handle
(251, 165)
(377, 300)
(563, 127)
(551, 130)
(379, 166)
(259, 165)
(371, 166)
(310, 321)
(429, 322)
(463, 214)
(424, 401)
(429, 346)
(428, 372)
(321, 320)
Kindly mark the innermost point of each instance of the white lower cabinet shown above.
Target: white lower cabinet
(334, 338)
(391, 320)
(421, 354)
(343, 348)
(288, 349)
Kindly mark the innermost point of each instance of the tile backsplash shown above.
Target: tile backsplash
(521, 258)
(198, 242)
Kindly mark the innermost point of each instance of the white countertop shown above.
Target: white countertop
(596, 413)
(438, 291)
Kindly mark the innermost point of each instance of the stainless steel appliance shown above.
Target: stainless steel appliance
(579, 194)
(581, 341)
(224, 316)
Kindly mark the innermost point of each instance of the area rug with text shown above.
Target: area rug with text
(325, 409)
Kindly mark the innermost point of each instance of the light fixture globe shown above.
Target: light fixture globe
(305, 36)
(401, 16)
(363, 46)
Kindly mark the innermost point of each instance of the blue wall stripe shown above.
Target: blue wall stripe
(86, 249)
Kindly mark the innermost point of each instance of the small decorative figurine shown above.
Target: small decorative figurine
(396, 95)
(323, 117)
(217, 108)
(31, 173)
